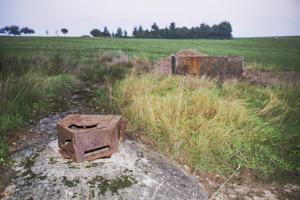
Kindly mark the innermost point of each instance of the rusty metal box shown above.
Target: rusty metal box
(88, 137)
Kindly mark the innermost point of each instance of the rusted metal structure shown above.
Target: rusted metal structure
(222, 66)
(88, 137)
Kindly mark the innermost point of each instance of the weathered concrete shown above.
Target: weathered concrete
(133, 173)
(221, 66)
(193, 62)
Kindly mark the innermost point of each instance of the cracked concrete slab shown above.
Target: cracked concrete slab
(135, 172)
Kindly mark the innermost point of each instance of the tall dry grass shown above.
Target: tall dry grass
(210, 127)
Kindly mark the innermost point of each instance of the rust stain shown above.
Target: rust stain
(229, 66)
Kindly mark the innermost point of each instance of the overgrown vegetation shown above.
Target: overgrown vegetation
(215, 128)
(28, 88)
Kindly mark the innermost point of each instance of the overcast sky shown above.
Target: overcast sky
(248, 17)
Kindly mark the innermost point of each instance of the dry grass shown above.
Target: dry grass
(211, 127)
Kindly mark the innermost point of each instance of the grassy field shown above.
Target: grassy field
(199, 122)
(274, 53)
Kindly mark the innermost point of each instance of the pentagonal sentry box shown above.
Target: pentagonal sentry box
(88, 137)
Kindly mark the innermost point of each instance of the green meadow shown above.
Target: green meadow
(272, 53)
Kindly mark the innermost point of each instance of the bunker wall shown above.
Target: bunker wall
(223, 66)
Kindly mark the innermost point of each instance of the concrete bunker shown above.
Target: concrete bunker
(214, 66)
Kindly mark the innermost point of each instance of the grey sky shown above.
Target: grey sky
(248, 17)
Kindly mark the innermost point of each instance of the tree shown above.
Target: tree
(64, 31)
(7, 29)
(2, 31)
(125, 33)
(119, 33)
(135, 32)
(47, 32)
(140, 32)
(14, 30)
(225, 30)
(106, 32)
(204, 31)
(26, 30)
(31, 31)
(155, 31)
(172, 26)
(95, 32)
(154, 27)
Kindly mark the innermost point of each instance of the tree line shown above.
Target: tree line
(204, 31)
(106, 33)
(16, 30)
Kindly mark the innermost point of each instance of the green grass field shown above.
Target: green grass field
(274, 53)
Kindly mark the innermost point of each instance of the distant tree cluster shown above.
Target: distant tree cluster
(97, 33)
(105, 33)
(204, 31)
(15, 30)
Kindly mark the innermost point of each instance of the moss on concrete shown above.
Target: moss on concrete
(112, 185)
(70, 183)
